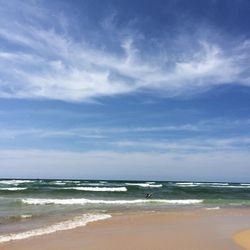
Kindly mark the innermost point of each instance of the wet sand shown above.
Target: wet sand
(189, 230)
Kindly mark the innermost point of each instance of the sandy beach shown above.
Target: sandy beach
(192, 229)
(243, 239)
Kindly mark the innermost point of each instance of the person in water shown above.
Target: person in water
(147, 196)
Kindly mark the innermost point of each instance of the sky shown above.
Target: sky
(122, 89)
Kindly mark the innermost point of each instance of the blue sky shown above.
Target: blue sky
(125, 89)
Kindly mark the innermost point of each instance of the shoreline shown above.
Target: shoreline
(197, 229)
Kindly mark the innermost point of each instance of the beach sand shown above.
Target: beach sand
(189, 230)
(243, 239)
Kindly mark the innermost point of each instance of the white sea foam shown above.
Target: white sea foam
(189, 185)
(210, 185)
(212, 208)
(69, 181)
(230, 186)
(66, 225)
(144, 185)
(59, 182)
(25, 216)
(218, 183)
(82, 201)
(15, 182)
(91, 184)
(184, 183)
(99, 189)
(202, 184)
(12, 189)
(155, 185)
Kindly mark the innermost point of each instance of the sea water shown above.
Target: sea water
(36, 207)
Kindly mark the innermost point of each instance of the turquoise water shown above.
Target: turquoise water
(30, 204)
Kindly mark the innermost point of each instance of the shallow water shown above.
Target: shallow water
(34, 204)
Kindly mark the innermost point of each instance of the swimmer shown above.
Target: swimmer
(147, 196)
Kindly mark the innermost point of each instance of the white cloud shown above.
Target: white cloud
(49, 63)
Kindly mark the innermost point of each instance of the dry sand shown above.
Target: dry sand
(182, 230)
(243, 239)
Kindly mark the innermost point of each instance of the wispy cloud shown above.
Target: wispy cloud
(133, 139)
(41, 59)
(100, 132)
(114, 165)
(200, 128)
(189, 145)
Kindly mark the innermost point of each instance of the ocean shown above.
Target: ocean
(36, 207)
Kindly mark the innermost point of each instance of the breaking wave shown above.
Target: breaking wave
(61, 226)
(186, 184)
(12, 189)
(99, 189)
(15, 182)
(144, 185)
(31, 201)
(211, 185)
(212, 208)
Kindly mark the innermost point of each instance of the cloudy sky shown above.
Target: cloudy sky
(122, 89)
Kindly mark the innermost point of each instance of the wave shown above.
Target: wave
(66, 225)
(91, 184)
(71, 181)
(59, 182)
(189, 185)
(144, 185)
(211, 183)
(31, 201)
(212, 208)
(12, 189)
(184, 183)
(15, 182)
(207, 185)
(99, 189)
(201, 183)
(217, 184)
(232, 186)
(15, 218)
(25, 216)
